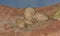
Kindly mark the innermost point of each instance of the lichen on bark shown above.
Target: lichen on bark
(56, 15)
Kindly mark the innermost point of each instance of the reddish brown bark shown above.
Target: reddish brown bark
(52, 30)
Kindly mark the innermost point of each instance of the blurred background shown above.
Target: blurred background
(28, 3)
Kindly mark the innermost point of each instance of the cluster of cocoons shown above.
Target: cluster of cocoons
(31, 19)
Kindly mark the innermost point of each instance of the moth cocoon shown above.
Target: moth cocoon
(40, 17)
(28, 22)
(20, 22)
(28, 14)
